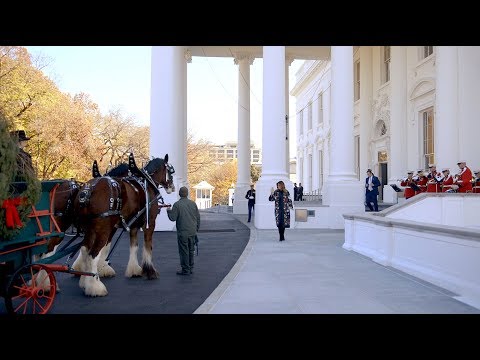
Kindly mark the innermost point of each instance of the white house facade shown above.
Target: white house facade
(412, 105)
(391, 109)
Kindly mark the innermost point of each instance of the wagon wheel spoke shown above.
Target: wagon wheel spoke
(22, 304)
(35, 301)
(29, 294)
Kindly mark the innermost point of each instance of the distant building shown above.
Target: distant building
(228, 152)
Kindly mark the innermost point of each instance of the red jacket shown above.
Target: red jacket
(409, 192)
(464, 181)
(422, 184)
(447, 183)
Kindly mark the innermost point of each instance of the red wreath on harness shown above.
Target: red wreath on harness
(12, 218)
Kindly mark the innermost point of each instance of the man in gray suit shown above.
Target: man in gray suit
(185, 213)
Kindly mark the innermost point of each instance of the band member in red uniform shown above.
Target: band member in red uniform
(447, 180)
(409, 192)
(421, 182)
(476, 185)
(464, 178)
(434, 179)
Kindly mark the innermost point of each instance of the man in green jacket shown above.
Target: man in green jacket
(185, 213)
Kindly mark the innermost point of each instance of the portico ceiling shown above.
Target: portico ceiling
(292, 52)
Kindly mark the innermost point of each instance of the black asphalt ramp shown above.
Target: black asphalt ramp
(222, 240)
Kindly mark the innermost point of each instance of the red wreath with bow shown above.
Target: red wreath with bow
(12, 218)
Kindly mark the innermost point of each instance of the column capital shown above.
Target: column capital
(188, 56)
(243, 56)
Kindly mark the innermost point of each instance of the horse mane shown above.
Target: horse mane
(153, 165)
(119, 170)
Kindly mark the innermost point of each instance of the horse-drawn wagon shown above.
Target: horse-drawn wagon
(27, 272)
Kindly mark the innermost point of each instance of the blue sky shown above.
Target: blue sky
(119, 77)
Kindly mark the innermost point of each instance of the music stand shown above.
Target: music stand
(395, 187)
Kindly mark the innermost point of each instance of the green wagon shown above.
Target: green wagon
(27, 282)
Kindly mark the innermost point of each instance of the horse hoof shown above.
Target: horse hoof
(150, 272)
(133, 271)
(152, 276)
(106, 271)
(95, 287)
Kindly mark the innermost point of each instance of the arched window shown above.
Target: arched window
(381, 128)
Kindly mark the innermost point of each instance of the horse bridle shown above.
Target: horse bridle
(170, 171)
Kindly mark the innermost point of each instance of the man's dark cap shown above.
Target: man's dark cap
(20, 135)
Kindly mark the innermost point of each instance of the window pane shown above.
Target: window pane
(428, 137)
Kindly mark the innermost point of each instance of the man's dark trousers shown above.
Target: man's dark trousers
(186, 250)
(371, 197)
(251, 206)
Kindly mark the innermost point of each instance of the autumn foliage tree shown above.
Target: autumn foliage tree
(24, 89)
(119, 137)
(222, 177)
(200, 163)
(67, 133)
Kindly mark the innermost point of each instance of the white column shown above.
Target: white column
(342, 165)
(167, 117)
(240, 205)
(397, 157)
(188, 59)
(446, 108)
(288, 62)
(273, 136)
(365, 108)
(343, 191)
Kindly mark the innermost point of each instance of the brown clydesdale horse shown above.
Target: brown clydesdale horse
(108, 202)
(62, 206)
(63, 199)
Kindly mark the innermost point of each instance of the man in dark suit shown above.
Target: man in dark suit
(300, 192)
(371, 190)
(251, 201)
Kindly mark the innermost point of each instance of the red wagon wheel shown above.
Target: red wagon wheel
(31, 290)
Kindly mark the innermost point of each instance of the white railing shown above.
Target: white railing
(314, 195)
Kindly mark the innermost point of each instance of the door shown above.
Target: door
(383, 177)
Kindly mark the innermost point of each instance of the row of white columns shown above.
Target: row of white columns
(168, 128)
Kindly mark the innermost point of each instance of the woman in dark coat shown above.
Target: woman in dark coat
(283, 204)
